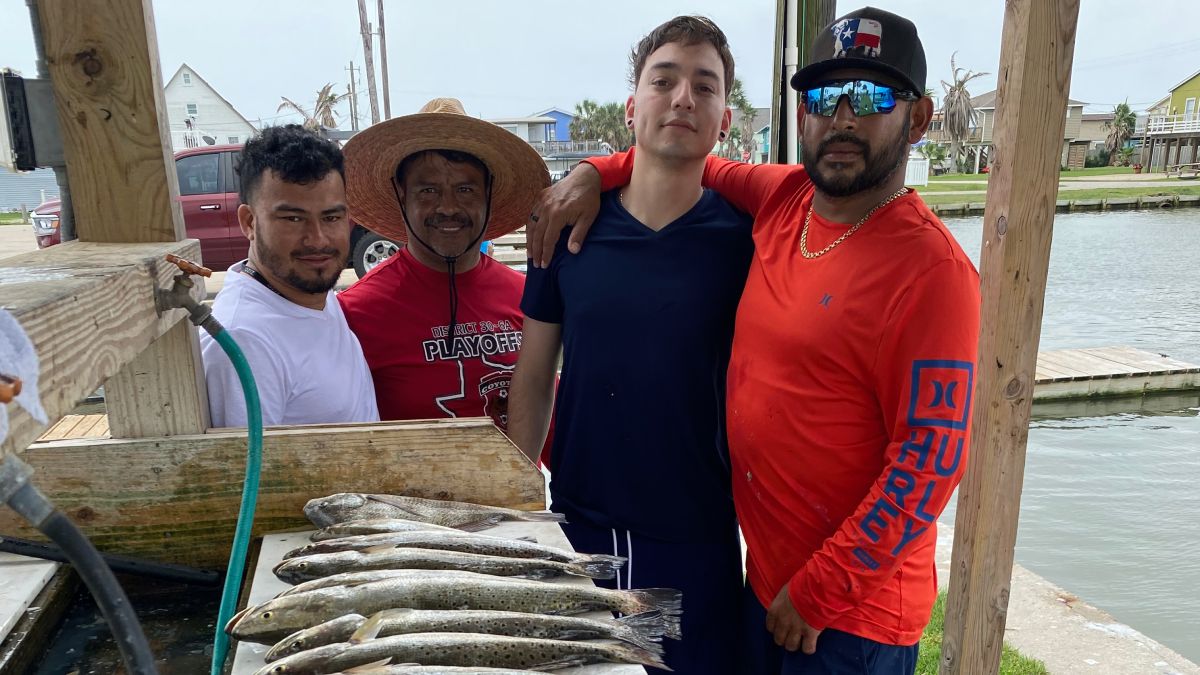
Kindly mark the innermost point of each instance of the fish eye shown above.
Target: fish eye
(302, 565)
(268, 614)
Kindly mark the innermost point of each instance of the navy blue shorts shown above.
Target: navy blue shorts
(838, 653)
(708, 573)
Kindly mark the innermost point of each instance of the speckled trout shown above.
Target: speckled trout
(464, 542)
(344, 506)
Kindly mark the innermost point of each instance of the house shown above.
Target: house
(198, 115)
(979, 141)
(1172, 132)
(760, 127)
(531, 129)
(561, 131)
(26, 189)
(1094, 130)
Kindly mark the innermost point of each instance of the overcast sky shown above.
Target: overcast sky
(517, 57)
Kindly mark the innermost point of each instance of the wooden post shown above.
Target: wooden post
(364, 27)
(383, 75)
(104, 65)
(1038, 42)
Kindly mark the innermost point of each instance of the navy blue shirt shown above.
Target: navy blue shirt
(647, 324)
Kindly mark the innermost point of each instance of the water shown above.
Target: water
(1110, 509)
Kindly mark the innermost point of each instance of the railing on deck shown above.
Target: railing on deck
(1173, 124)
(548, 148)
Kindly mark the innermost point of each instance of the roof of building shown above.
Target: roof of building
(762, 118)
(1189, 79)
(533, 119)
(211, 88)
(542, 113)
(1098, 117)
(988, 100)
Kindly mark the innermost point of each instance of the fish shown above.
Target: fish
(309, 567)
(460, 649)
(377, 525)
(414, 669)
(344, 506)
(271, 621)
(643, 630)
(355, 578)
(464, 542)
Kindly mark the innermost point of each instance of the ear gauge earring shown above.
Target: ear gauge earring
(722, 135)
(629, 123)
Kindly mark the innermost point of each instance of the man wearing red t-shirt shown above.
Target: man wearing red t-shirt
(849, 387)
(439, 322)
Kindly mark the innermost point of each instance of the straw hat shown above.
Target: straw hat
(518, 172)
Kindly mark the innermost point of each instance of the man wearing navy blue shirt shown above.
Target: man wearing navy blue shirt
(644, 317)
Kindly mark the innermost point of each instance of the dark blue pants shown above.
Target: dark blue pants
(838, 653)
(708, 573)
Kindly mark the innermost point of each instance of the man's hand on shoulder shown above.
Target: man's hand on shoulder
(791, 631)
(574, 200)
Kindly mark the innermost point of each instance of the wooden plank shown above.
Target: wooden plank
(104, 67)
(88, 309)
(26, 644)
(1148, 360)
(175, 499)
(1037, 46)
(161, 392)
(1094, 366)
(24, 578)
(105, 71)
(1056, 361)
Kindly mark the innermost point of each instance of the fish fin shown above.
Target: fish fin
(542, 516)
(532, 540)
(369, 630)
(381, 548)
(392, 500)
(645, 657)
(647, 625)
(547, 573)
(558, 664)
(490, 521)
(596, 569)
(367, 667)
(667, 600)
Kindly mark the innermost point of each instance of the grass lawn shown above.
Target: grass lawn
(930, 653)
(1074, 173)
(13, 218)
(950, 186)
(1098, 193)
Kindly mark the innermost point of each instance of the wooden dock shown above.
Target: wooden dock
(1109, 371)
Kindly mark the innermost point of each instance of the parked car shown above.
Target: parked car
(208, 193)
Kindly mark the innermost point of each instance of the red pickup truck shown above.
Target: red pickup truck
(208, 193)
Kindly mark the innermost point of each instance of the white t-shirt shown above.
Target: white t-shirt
(308, 366)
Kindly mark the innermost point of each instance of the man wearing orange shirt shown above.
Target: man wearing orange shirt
(849, 388)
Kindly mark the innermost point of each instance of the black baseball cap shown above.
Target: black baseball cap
(871, 39)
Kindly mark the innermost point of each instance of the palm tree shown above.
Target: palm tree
(324, 112)
(1120, 129)
(747, 144)
(958, 114)
(605, 123)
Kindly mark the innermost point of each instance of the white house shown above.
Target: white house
(198, 115)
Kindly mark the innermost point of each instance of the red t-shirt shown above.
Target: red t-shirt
(849, 401)
(400, 312)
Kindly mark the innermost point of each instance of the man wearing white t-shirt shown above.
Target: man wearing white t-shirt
(278, 304)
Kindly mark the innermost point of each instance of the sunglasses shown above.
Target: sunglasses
(866, 97)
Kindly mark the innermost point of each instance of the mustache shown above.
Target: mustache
(843, 137)
(315, 251)
(458, 218)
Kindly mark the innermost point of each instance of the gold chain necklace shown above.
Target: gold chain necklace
(804, 233)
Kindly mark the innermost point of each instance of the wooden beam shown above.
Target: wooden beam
(88, 309)
(176, 499)
(104, 66)
(25, 645)
(1038, 43)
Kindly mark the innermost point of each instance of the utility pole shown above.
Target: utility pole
(365, 29)
(797, 23)
(387, 99)
(353, 99)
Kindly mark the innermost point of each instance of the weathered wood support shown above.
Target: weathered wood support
(1034, 78)
(176, 499)
(104, 67)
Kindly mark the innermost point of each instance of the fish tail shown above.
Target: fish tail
(539, 516)
(640, 655)
(643, 629)
(667, 600)
(597, 567)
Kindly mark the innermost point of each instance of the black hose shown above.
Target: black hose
(110, 597)
(118, 563)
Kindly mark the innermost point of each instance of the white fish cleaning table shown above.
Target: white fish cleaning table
(264, 585)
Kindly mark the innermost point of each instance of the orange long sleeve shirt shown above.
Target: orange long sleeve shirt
(849, 400)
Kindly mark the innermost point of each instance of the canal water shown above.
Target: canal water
(1111, 504)
(1110, 509)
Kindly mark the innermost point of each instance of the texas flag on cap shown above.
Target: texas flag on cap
(861, 36)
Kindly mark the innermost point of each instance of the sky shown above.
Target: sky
(516, 57)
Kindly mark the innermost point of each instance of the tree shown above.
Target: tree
(605, 123)
(1120, 129)
(747, 143)
(958, 114)
(324, 112)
